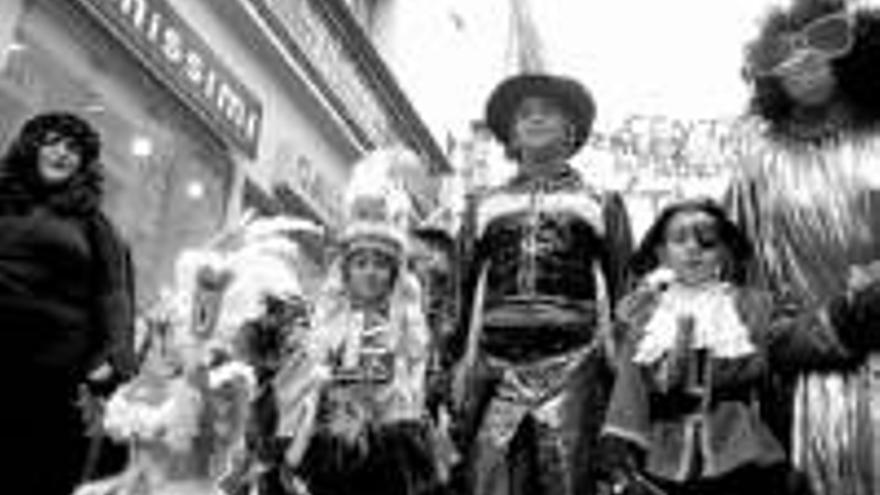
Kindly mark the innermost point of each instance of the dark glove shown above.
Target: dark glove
(856, 318)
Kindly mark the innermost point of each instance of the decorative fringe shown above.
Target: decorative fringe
(832, 432)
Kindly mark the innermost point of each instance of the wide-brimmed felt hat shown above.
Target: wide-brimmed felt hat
(573, 98)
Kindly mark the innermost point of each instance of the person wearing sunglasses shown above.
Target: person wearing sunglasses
(810, 200)
(813, 71)
(698, 342)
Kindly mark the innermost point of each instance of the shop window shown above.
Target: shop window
(168, 179)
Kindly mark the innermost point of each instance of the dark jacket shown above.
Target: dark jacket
(66, 282)
(722, 425)
(544, 246)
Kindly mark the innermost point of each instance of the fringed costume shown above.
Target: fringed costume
(809, 195)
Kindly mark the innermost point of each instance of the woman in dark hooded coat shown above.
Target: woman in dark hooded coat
(65, 296)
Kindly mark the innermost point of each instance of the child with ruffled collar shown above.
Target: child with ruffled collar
(696, 346)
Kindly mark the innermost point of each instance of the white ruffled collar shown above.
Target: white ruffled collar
(717, 323)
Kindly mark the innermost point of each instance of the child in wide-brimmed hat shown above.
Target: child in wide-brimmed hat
(568, 95)
(542, 256)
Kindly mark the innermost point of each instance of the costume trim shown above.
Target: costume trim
(507, 203)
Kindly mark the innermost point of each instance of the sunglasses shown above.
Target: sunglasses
(830, 36)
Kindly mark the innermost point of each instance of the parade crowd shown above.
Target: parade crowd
(536, 348)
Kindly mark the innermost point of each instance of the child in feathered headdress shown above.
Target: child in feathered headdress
(353, 405)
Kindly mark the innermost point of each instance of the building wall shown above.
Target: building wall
(169, 179)
(297, 126)
(174, 178)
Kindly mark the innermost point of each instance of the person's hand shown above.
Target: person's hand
(619, 467)
(856, 316)
(636, 303)
(103, 380)
(627, 482)
(864, 293)
(862, 276)
(102, 373)
(293, 482)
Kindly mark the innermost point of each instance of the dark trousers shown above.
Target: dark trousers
(45, 442)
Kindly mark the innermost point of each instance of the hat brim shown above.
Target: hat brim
(572, 97)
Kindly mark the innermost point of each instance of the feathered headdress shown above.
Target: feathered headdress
(260, 256)
(378, 208)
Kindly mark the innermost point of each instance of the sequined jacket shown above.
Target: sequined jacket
(541, 253)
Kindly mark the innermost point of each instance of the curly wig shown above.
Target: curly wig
(20, 182)
(857, 72)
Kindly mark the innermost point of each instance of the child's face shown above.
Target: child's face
(539, 123)
(693, 248)
(370, 274)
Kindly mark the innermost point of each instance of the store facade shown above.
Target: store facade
(202, 111)
(169, 174)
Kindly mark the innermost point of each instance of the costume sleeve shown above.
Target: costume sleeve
(619, 244)
(298, 385)
(114, 313)
(471, 255)
(801, 338)
(628, 413)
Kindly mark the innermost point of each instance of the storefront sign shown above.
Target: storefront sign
(298, 172)
(183, 60)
